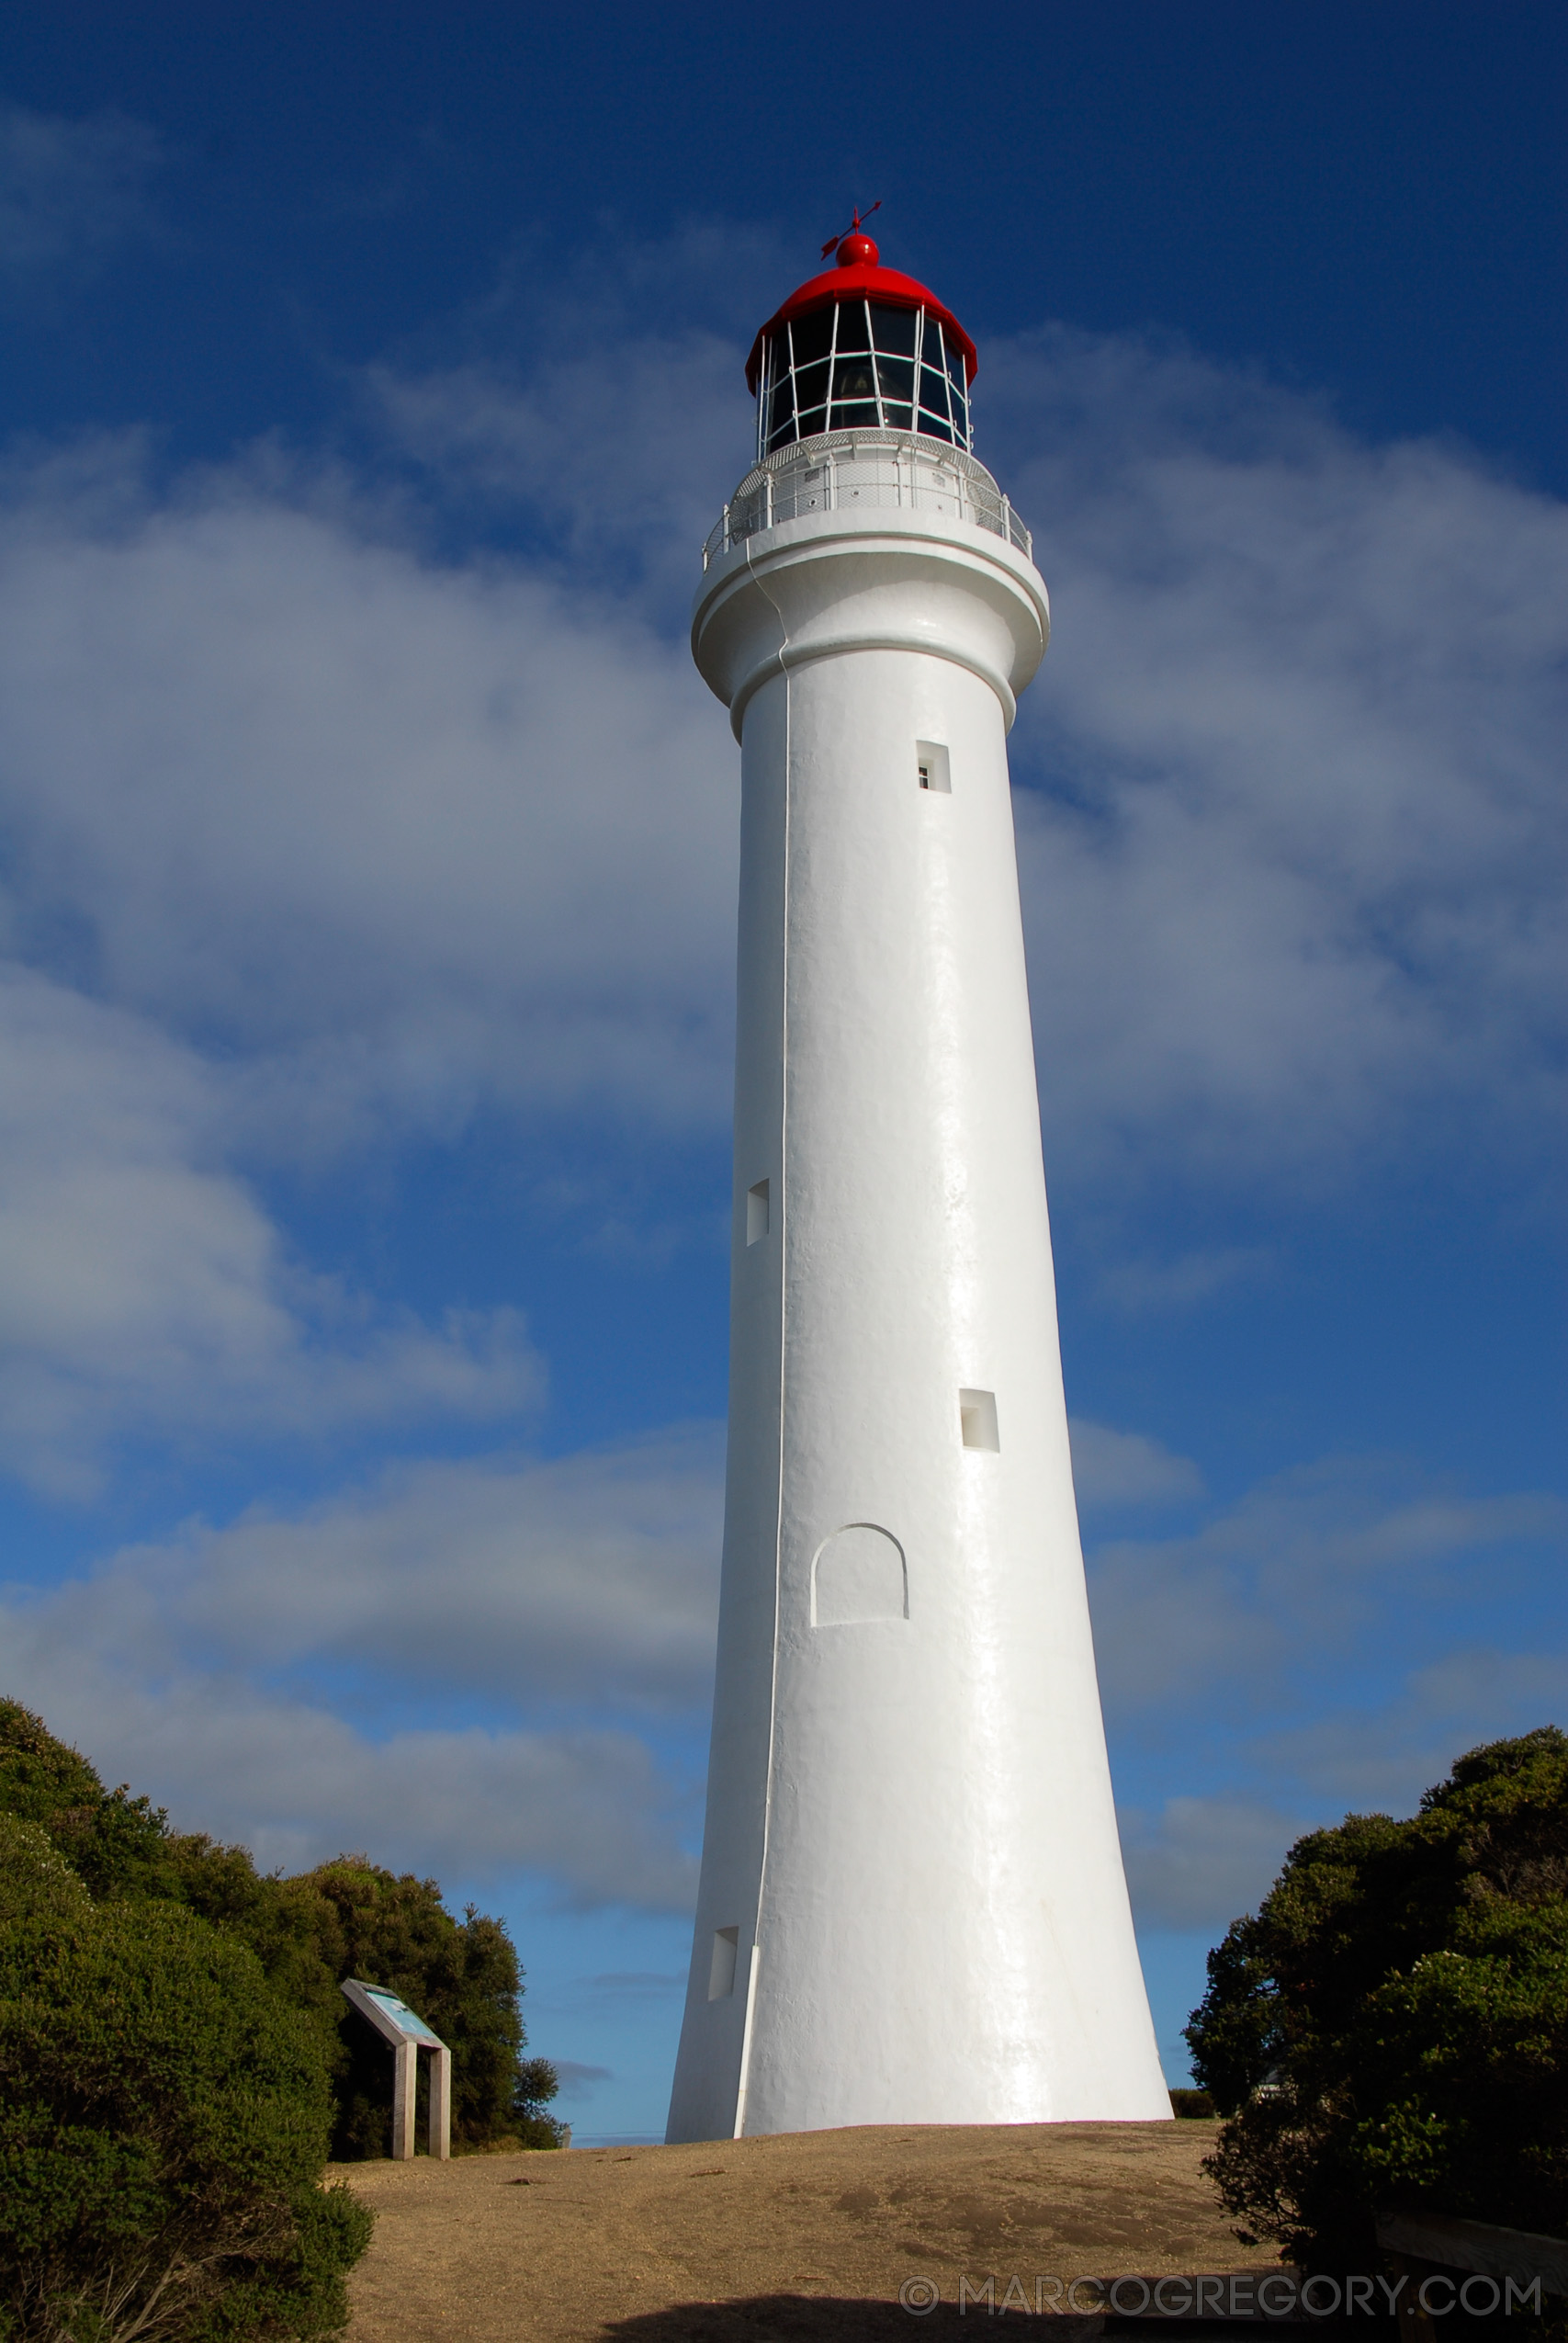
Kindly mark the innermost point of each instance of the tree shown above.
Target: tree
(462, 1976)
(538, 2084)
(1391, 2025)
(163, 2126)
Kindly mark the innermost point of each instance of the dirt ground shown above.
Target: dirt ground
(795, 2239)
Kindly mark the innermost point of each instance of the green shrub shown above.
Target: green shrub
(164, 2124)
(1192, 2106)
(1391, 2024)
(348, 1918)
(35, 1881)
(115, 1842)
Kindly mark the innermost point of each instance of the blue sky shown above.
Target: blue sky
(368, 380)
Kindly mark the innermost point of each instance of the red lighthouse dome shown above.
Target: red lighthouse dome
(862, 347)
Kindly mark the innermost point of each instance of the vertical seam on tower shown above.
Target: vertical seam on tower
(744, 2078)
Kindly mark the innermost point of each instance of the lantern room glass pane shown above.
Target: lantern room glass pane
(894, 328)
(896, 378)
(853, 377)
(933, 391)
(852, 334)
(811, 385)
(812, 336)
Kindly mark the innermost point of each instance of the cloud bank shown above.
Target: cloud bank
(286, 1680)
(70, 191)
(1299, 830)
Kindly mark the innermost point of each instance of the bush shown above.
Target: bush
(163, 2125)
(1192, 2106)
(346, 1919)
(36, 1881)
(1391, 2024)
(113, 1841)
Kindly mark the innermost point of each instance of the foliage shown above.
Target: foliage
(164, 2123)
(115, 1842)
(538, 2084)
(1192, 2106)
(1391, 2024)
(349, 1917)
(462, 1976)
(35, 1881)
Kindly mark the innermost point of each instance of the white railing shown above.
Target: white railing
(866, 470)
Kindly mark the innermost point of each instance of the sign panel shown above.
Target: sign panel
(391, 2015)
(401, 2015)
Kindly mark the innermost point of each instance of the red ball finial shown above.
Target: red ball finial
(855, 250)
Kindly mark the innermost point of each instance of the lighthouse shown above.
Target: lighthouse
(912, 1906)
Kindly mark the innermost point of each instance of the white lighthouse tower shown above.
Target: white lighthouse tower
(912, 1905)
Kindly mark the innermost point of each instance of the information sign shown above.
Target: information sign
(408, 2033)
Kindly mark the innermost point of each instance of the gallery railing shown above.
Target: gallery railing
(865, 470)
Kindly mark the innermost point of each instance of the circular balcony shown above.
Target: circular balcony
(863, 471)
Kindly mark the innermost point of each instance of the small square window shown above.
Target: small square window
(721, 1968)
(757, 1213)
(977, 1419)
(933, 768)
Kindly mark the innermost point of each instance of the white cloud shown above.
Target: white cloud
(393, 835)
(1383, 1758)
(576, 2080)
(1313, 1646)
(1295, 1575)
(575, 1601)
(1296, 874)
(1112, 1469)
(144, 1291)
(617, 441)
(589, 1578)
(298, 1784)
(622, 455)
(1202, 1862)
(1136, 1283)
(70, 191)
(1199, 1862)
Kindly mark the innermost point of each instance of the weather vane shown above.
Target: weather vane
(853, 229)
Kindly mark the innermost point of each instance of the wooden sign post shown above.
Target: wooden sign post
(408, 2034)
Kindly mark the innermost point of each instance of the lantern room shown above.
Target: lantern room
(862, 348)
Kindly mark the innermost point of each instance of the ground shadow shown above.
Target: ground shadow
(802, 2318)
